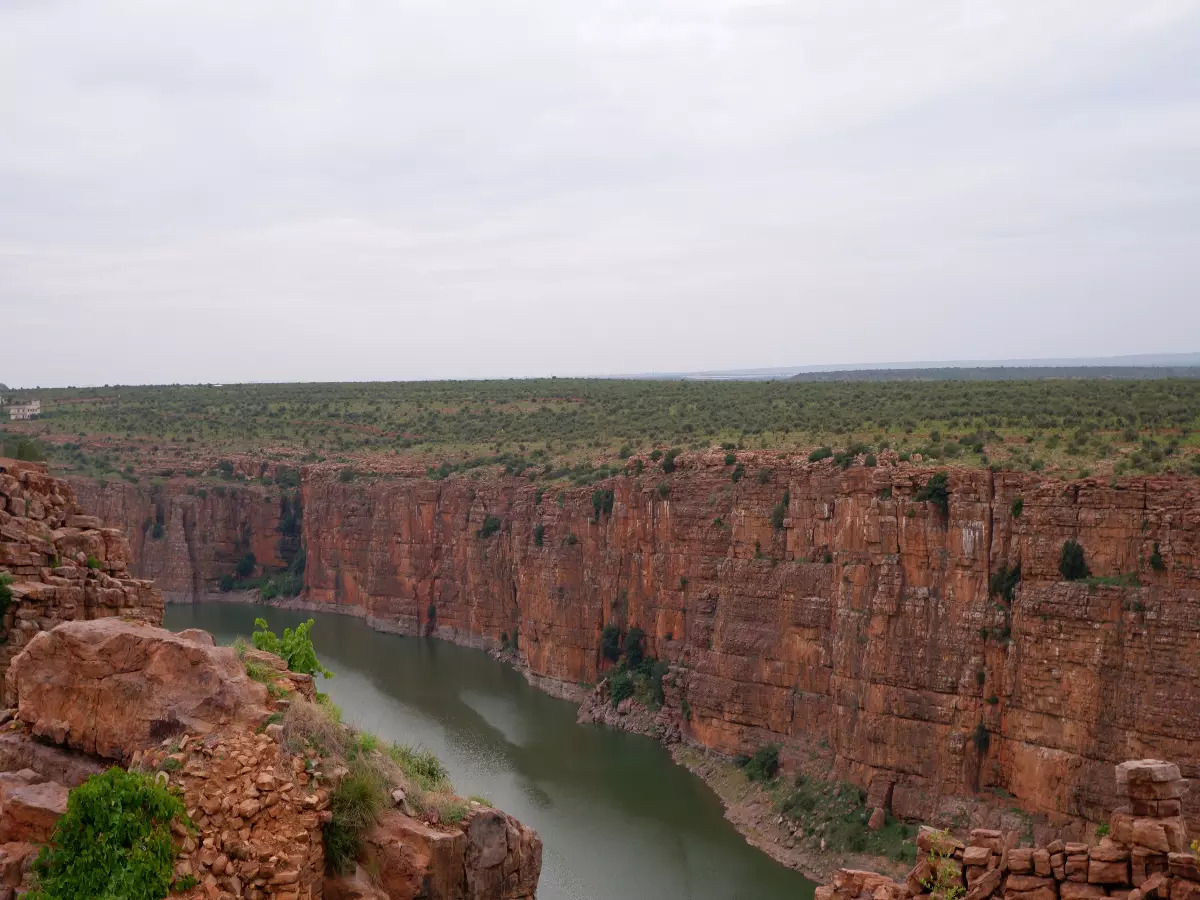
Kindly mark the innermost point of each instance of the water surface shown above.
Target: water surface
(617, 817)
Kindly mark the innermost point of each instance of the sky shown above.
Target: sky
(291, 190)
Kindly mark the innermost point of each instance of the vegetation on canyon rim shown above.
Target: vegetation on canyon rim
(113, 843)
(582, 429)
(373, 769)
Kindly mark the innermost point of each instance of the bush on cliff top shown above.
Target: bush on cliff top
(113, 843)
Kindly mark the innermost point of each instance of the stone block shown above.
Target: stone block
(1041, 863)
(1073, 890)
(1184, 865)
(1020, 861)
(1100, 871)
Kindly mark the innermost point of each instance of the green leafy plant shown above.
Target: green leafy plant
(820, 453)
(539, 534)
(945, 878)
(113, 843)
(491, 524)
(1156, 560)
(1017, 507)
(295, 647)
(668, 461)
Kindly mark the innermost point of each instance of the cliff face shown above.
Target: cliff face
(203, 533)
(863, 626)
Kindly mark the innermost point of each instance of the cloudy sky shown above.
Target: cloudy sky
(300, 190)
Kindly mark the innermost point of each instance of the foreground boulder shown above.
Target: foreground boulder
(111, 687)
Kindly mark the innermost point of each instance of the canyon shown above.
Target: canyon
(100, 699)
(838, 612)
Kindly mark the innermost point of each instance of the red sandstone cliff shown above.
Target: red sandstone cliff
(859, 625)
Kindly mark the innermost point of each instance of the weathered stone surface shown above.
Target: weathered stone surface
(30, 811)
(110, 687)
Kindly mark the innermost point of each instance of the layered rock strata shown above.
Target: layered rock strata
(59, 564)
(828, 610)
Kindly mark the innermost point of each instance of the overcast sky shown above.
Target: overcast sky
(292, 190)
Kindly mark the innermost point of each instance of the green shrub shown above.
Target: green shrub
(663, 489)
(668, 461)
(1004, 582)
(113, 843)
(6, 594)
(295, 648)
(634, 647)
(1156, 560)
(730, 459)
(245, 566)
(602, 502)
(820, 453)
(539, 534)
(736, 475)
(620, 685)
(491, 524)
(346, 475)
(764, 764)
(226, 583)
(937, 492)
(779, 513)
(1018, 506)
(1071, 562)
(610, 642)
(93, 563)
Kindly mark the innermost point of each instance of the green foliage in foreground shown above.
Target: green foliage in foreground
(114, 843)
(296, 647)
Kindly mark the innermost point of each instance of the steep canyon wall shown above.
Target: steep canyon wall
(863, 626)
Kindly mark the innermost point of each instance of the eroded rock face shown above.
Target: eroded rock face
(493, 857)
(63, 565)
(864, 624)
(111, 687)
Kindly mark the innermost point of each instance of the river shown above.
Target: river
(618, 818)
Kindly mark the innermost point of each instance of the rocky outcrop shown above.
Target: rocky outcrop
(491, 856)
(60, 565)
(110, 687)
(183, 709)
(1143, 855)
(828, 610)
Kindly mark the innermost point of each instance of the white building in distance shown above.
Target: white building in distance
(20, 412)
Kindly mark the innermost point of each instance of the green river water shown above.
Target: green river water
(619, 820)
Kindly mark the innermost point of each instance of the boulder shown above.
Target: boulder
(31, 811)
(111, 687)
(197, 636)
